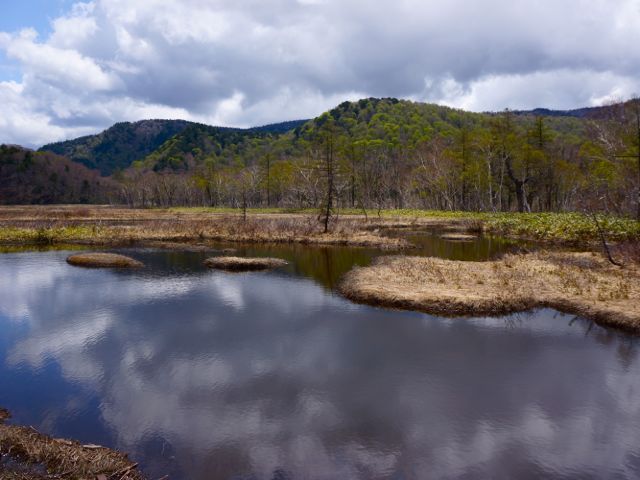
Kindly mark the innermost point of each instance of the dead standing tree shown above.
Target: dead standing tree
(327, 139)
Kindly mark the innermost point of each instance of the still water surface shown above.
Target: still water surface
(209, 375)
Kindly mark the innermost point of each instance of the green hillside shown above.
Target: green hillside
(119, 146)
(379, 153)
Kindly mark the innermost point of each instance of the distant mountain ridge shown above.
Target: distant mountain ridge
(387, 151)
(281, 127)
(586, 112)
(177, 145)
(119, 146)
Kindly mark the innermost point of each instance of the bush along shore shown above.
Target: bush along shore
(584, 284)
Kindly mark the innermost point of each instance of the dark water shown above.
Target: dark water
(208, 375)
(327, 265)
(429, 243)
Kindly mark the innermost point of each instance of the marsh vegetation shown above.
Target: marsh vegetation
(583, 284)
(477, 274)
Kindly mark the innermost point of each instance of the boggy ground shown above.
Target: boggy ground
(584, 284)
(581, 283)
(95, 224)
(99, 225)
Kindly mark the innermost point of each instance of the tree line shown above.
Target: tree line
(387, 153)
(370, 154)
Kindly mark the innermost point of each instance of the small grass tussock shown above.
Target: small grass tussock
(103, 260)
(244, 264)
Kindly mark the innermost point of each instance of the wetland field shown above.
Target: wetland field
(469, 352)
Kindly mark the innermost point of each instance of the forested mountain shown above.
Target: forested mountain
(119, 146)
(383, 153)
(196, 143)
(369, 121)
(389, 153)
(124, 143)
(43, 177)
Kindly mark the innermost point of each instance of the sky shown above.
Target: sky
(74, 68)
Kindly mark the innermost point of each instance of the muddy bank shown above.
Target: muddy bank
(579, 283)
(34, 456)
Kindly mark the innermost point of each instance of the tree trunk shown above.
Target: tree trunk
(638, 132)
(329, 165)
(519, 187)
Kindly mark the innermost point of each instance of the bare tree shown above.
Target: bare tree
(329, 167)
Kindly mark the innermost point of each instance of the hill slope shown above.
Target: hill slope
(43, 177)
(199, 143)
(125, 143)
(382, 153)
(380, 121)
(120, 145)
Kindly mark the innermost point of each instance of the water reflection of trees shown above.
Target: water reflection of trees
(626, 345)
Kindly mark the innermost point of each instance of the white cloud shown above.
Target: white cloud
(561, 89)
(76, 28)
(250, 62)
(61, 68)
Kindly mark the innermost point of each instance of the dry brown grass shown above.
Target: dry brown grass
(60, 458)
(118, 226)
(580, 283)
(103, 260)
(244, 264)
(627, 252)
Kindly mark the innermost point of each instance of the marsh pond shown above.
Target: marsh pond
(202, 374)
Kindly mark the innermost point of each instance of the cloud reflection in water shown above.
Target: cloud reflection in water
(214, 375)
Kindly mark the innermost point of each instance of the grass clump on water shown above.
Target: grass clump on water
(244, 264)
(103, 260)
